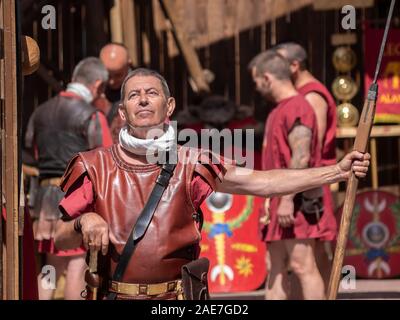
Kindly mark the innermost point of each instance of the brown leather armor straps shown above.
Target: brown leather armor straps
(142, 223)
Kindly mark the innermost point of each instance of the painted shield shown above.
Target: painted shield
(373, 247)
(230, 240)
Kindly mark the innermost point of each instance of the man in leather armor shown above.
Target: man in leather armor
(106, 190)
(57, 130)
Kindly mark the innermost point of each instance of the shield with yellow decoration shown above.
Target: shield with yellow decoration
(373, 247)
(230, 241)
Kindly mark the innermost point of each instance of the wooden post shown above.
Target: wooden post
(187, 50)
(116, 22)
(10, 157)
(129, 35)
(2, 292)
(374, 164)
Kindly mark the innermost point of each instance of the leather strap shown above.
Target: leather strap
(142, 223)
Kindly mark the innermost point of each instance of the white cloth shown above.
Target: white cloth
(81, 90)
(148, 146)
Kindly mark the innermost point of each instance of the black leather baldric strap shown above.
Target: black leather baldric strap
(142, 223)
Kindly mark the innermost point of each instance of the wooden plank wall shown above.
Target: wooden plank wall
(226, 37)
(82, 28)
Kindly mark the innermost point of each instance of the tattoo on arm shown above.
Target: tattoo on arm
(300, 145)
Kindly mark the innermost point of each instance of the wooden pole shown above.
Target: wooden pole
(11, 150)
(2, 261)
(116, 22)
(360, 144)
(186, 49)
(129, 35)
(374, 164)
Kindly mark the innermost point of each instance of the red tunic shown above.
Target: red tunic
(328, 155)
(277, 154)
(328, 152)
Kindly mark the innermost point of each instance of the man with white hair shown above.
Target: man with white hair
(57, 130)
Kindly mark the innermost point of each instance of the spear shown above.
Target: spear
(360, 144)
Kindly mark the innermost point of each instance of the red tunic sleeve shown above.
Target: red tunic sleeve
(209, 168)
(301, 112)
(79, 199)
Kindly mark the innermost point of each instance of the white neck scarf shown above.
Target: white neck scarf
(147, 146)
(81, 90)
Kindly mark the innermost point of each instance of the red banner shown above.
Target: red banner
(388, 103)
(231, 242)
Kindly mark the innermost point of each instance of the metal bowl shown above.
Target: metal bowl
(344, 59)
(344, 88)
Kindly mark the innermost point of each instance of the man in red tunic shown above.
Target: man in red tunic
(107, 188)
(291, 141)
(325, 110)
(57, 129)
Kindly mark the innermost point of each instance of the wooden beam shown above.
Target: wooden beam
(3, 201)
(116, 22)
(11, 150)
(377, 131)
(185, 47)
(338, 4)
(209, 21)
(129, 35)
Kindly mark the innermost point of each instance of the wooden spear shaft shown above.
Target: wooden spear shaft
(360, 144)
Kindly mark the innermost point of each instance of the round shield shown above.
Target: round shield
(347, 115)
(373, 247)
(344, 59)
(30, 55)
(344, 88)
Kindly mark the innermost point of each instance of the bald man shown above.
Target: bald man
(115, 58)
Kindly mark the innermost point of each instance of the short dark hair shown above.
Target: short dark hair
(88, 70)
(272, 62)
(294, 52)
(146, 72)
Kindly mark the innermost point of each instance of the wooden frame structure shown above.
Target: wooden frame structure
(9, 149)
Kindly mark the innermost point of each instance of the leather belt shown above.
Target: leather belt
(153, 289)
(50, 182)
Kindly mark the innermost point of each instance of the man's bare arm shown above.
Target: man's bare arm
(300, 144)
(320, 107)
(285, 181)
